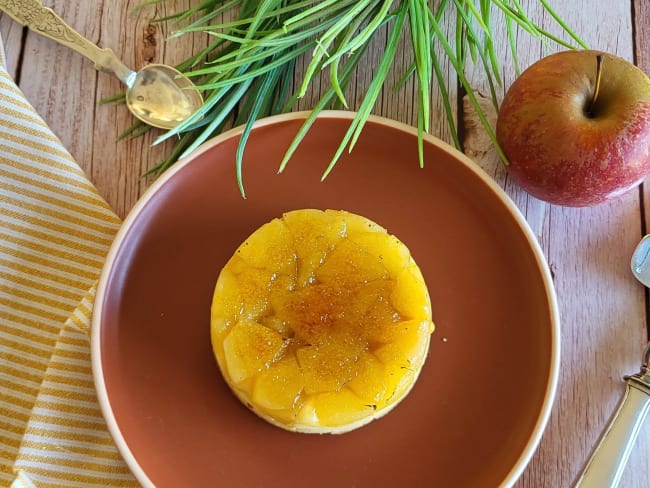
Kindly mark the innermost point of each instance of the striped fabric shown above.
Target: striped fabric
(55, 231)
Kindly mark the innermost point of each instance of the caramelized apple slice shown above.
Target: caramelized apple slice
(355, 224)
(349, 264)
(242, 292)
(409, 297)
(279, 387)
(370, 384)
(280, 257)
(408, 346)
(315, 234)
(391, 253)
(250, 348)
(328, 367)
(311, 311)
(334, 409)
(227, 302)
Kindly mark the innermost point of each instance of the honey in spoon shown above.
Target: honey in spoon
(160, 96)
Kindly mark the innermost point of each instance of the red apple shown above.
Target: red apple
(569, 142)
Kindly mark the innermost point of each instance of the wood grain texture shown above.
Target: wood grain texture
(603, 309)
(12, 40)
(588, 251)
(641, 11)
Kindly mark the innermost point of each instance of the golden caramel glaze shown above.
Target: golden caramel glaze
(321, 321)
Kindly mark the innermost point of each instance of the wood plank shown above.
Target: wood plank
(588, 250)
(116, 166)
(641, 10)
(12, 34)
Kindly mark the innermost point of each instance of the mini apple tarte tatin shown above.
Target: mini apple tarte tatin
(321, 321)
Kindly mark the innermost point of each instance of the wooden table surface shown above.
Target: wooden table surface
(603, 309)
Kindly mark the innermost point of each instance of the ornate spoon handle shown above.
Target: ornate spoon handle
(44, 21)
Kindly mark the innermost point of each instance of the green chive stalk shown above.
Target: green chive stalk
(247, 70)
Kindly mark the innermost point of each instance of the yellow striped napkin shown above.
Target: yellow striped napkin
(55, 231)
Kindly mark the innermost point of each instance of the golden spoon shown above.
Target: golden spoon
(157, 94)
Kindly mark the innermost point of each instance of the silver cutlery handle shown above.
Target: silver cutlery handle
(607, 462)
(44, 21)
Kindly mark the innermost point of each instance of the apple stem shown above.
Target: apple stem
(599, 70)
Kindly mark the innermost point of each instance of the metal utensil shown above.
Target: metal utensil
(605, 467)
(157, 94)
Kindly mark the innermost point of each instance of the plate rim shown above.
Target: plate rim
(95, 337)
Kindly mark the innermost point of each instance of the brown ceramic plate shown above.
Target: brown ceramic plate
(478, 409)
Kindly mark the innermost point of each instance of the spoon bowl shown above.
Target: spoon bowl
(640, 262)
(161, 96)
(158, 95)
